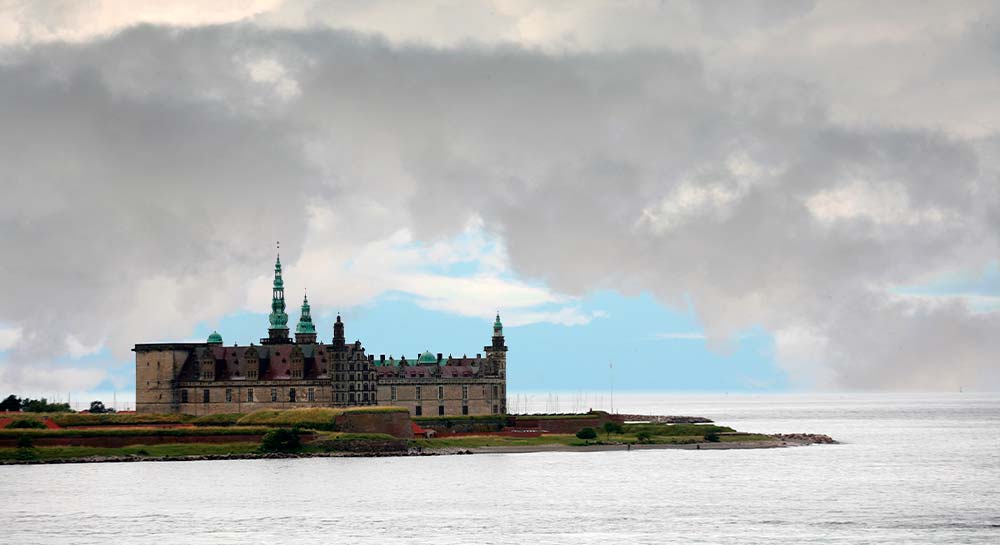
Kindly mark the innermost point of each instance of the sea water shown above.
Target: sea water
(910, 469)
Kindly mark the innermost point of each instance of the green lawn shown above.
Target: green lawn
(166, 450)
(473, 441)
(135, 431)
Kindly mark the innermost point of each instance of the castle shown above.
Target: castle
(281, 373)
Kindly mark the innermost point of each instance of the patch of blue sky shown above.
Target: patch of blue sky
(980, 289)
(653, 348)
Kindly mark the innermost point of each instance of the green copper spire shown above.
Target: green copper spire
(278, 318)
(497, 326)
(305, 324)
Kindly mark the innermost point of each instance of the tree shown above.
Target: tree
(586, 433)
(643, 437)
(43, 406)
(712, 436)
(612, 427)
(281, 440)
(97, 407)
(12, 404)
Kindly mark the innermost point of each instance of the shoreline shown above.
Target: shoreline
(800, 441)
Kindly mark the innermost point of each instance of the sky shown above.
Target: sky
(708, 195)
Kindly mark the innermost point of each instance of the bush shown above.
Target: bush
(586, 433)
(643, 437)
(712, 436)
(281, 440)
(26, 424)
(25, 441)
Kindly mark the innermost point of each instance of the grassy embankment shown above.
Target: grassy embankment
(650, 434)
(320, 421)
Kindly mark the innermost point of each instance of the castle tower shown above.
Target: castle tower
(338, 335)
(305, 331)
(496, 353)
(277, 332)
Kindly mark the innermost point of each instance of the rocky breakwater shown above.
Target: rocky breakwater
(805, 438)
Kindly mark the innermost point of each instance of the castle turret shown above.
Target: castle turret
(305, 331)
(277, 332)
(496, 353)
(338, 335)
(215, 338)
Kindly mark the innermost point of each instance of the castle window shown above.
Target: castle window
(465, 409)
(204, 395)
(418, 411)
(274, 394)
(495, 411)
(364, 397)
(465, 392)
(291, 395)
(495, 392)
(249, 395)
(392, 393)
(229, 395)
(440, 392)
(310, 394)
(440, 410)
(184, 396)
(350, 397)
(418, 394)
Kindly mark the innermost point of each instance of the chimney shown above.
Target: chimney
(381, 357)
(439, 357)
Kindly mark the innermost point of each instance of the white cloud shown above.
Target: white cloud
(883, 203)
(77, 349)
(9, 337)
(733, 158)
(45, 379)
(398, 263)
(273, 73)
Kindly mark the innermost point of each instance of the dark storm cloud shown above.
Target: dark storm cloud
(179, 155)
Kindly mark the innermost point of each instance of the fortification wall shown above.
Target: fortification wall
(397, 424)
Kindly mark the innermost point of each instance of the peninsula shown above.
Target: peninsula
(369, 431)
